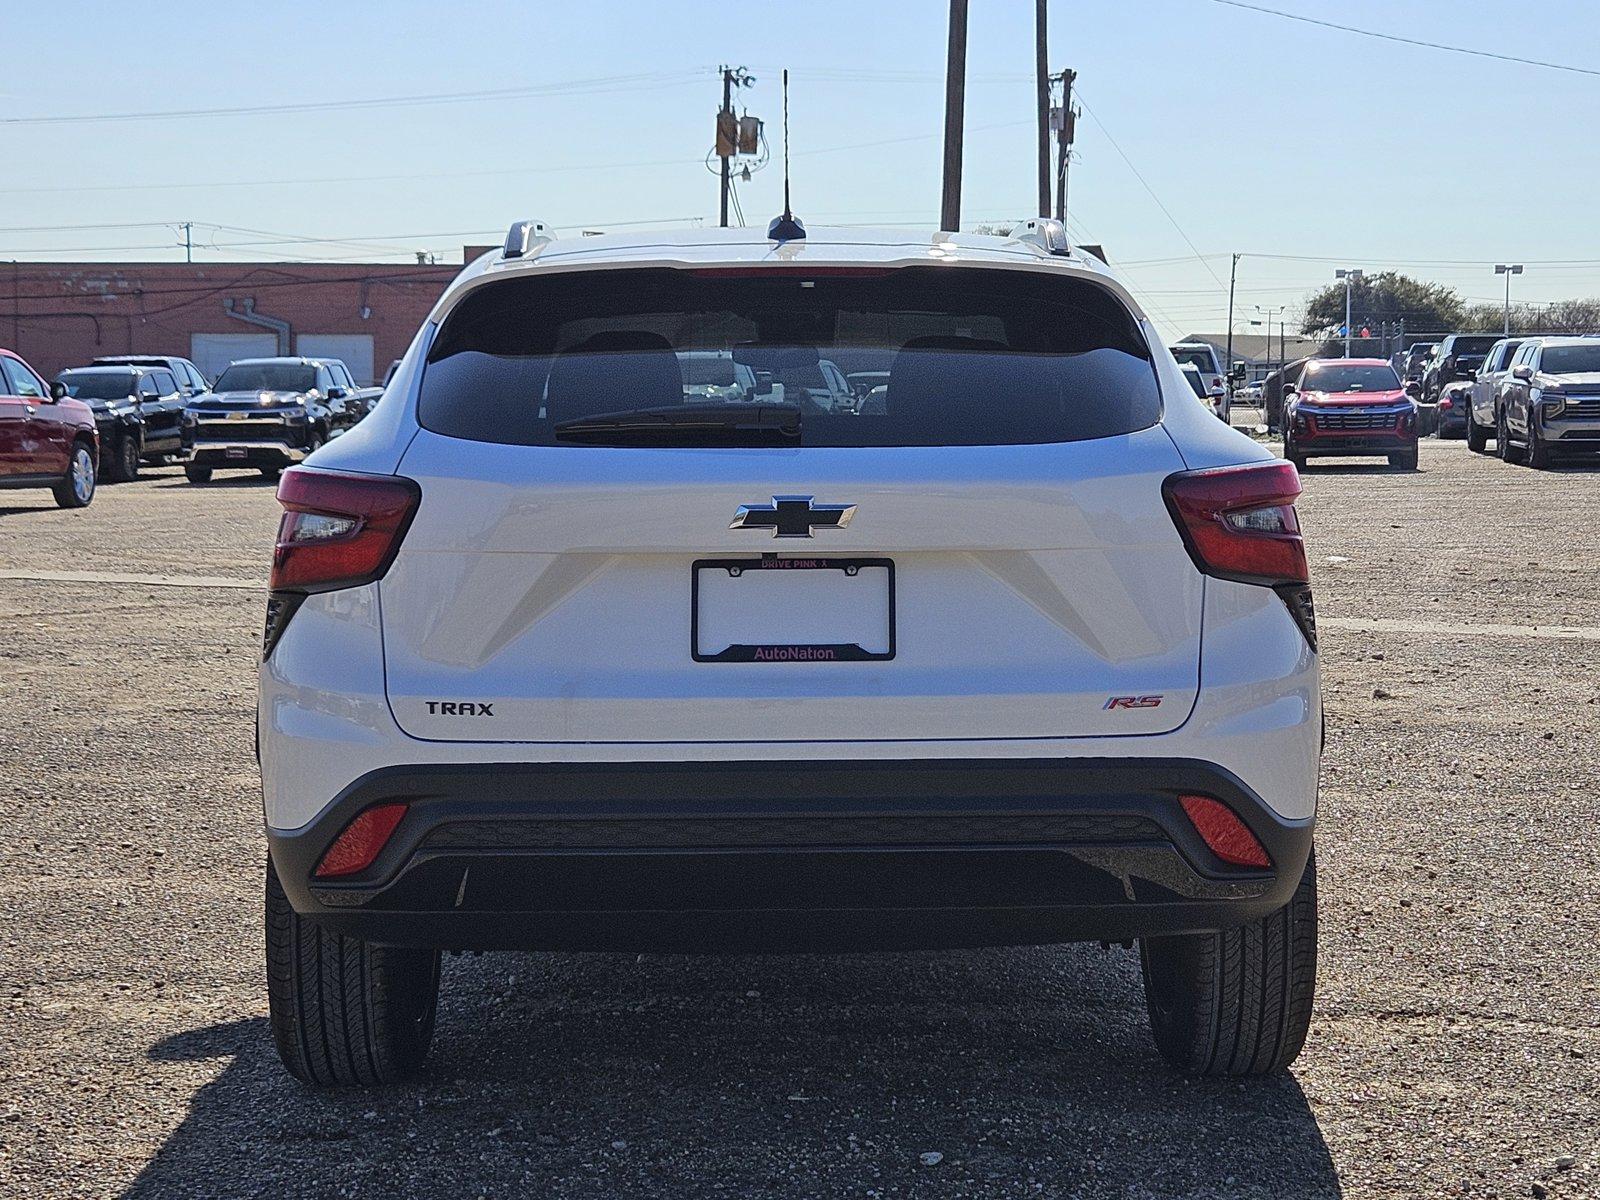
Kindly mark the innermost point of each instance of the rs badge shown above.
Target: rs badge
(1133, 702)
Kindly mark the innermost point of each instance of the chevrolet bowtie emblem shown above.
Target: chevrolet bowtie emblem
(792, 516)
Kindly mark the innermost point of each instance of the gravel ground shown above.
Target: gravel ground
(1455, 1049)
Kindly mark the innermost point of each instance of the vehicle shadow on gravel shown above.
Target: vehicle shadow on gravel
(232, 481)
(1002, 1072)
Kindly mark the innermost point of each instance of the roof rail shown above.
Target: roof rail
(523, 236)
(1047, 233)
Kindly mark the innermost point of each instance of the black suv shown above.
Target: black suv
(267, 413)
(190, 381)
(1459, 356)
(138, 412)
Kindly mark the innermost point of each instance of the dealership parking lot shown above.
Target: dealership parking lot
(1456, 1048)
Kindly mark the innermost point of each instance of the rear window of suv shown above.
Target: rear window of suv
(971, 356)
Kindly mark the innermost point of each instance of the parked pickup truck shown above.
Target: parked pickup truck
(267, 413)
(139, 412)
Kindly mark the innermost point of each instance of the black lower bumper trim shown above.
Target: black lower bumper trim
(777, 855)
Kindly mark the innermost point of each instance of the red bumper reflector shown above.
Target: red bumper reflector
(361, 842)
(1228, 837)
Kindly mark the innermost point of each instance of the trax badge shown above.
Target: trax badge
(459, 708)
(1133, 702)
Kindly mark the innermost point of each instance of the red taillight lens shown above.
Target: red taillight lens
(361, 842)
(339, 531)
(1220, 828)
(1239, 522)
(1445, 403)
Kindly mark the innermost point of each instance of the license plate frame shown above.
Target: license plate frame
(788, 651)
(236, 452)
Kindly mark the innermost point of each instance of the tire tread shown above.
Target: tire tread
(1238, 1002)
(345, 1012)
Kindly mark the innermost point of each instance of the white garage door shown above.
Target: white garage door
(354, 349)
(212, 352)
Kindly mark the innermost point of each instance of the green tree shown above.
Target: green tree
(1386, 296)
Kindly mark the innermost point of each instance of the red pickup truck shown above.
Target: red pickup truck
(47, 439)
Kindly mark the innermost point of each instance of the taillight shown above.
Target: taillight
(361, 841)
(1445, 403)
(339, 531)
(1239, 523)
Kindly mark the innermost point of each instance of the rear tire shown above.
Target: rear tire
(75, 489)
(345, 1012)
(270, 472)
(196, 474)
(1237, 1002)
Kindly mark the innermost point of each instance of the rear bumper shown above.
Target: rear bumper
(788, 855)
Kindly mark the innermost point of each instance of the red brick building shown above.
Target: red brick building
(59, 315)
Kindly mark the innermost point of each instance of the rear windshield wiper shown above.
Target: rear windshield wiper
(688, 425)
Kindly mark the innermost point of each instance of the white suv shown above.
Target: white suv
(558, 657)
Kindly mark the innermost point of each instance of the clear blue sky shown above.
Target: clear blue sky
(1257, 134)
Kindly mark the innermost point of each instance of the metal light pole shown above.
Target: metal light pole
(1508, 271)
(1349, 276)
(1269, 313)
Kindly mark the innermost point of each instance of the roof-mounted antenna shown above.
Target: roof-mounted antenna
(786, 228)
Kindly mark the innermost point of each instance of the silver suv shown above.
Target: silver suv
(1549, 401)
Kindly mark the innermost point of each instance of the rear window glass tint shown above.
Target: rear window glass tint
(1201, 360)
(970, 356)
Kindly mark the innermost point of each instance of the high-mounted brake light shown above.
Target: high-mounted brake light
(1224, 833)
(361, 841)
(337, 530)
(1239, 523)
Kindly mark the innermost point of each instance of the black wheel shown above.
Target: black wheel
(1292, 453)
(75, 489)
(1237, 1002)
(1502, 440)
(1538, 455)
(1405, 460)
(1477, 435)
(196, 474)
(122, 465)
(270, 472)
(345, 1012)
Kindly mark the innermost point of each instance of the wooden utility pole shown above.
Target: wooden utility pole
(723, 117)
(1041, 65)
(1065, 132)
(1233, 277)
(955, 103)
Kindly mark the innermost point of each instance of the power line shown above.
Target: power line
(1201, 258)
(636, 82)
(1395, 37)
(400, 178)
